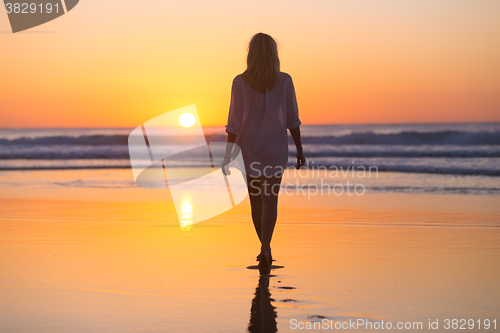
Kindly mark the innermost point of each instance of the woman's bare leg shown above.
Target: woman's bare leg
(254, 192)
(270, 187)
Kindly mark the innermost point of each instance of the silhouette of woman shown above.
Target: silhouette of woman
(263, 106)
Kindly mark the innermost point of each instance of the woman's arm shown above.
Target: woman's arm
(301, 160)
(293, 122)
(231, 139)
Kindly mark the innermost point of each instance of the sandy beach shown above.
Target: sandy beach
(80, 258)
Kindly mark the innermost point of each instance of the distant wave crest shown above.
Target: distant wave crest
(93, 140)
(409, 138)
(355, 138)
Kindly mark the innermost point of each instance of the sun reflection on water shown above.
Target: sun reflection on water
(186, 218)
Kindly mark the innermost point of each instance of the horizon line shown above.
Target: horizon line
(328, 124)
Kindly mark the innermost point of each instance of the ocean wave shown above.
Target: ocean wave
(422, 169)
(315, 189)
(341, 168)
(63, 152)
(403, 152)
(453, 152)
(111, 152)
(410, 138)
(94, 140)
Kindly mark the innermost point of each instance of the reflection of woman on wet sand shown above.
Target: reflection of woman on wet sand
(262, 314)
(263, 107)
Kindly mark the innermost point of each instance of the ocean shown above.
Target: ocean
(442, 158)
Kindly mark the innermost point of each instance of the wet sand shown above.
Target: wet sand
(94, 259)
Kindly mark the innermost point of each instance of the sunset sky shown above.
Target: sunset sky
(120, 63)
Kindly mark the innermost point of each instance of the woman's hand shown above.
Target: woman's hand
(301, 160)
(225, 166)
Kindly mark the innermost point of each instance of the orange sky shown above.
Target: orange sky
(120, 63)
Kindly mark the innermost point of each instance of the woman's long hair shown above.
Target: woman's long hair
(263, 64)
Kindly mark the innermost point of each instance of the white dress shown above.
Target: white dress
(260, 121)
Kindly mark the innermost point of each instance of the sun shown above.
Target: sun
(186, 119)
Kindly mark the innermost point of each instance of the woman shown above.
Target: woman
(263, 106)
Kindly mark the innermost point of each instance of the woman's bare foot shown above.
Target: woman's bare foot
(258, 258)
(265, 259)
